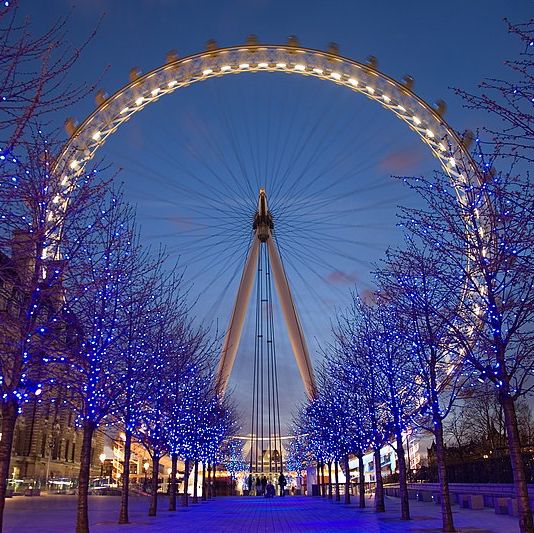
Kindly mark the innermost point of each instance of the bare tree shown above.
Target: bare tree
(510, 100)
(144, 312)
(192, 354)
(489, 238)
(36, 335)
(98, 297)
(33, 75)
(356, 355)
(390, 345)
(413, 278)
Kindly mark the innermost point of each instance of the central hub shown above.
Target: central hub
(263, 220)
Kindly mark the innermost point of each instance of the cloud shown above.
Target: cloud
(368, 296)
(402, 161)
(181, 222)
(337, 277)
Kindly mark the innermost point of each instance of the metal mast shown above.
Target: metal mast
(263, 227)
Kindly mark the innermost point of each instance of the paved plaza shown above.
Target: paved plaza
(55, 514)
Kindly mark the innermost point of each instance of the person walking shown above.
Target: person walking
(282, 483)
(258, 486)
(269, 491)
(263, 484)
(250, 482)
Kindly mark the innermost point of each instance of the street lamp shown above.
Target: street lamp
(145, 466)
(102, 458)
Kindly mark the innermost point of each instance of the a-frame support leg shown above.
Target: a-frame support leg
(235, 328)
(294, 328)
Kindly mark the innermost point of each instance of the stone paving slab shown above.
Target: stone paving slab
(55, 514)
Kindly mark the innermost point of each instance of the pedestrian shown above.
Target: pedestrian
(263, 484)
(269, 491)
(282, 483)
(258, 486)
(250, 482)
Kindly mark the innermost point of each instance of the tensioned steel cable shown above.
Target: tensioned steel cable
(256, 388)
(261, 337)
(253, 391)
(269, 341)
(273, 369)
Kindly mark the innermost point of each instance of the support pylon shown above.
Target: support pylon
(263, 227)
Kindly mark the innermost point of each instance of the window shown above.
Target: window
(385, 459)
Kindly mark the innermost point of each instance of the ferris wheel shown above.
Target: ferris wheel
(228, 227)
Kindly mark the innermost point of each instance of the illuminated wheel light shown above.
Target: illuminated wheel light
(244, 66)
(444, 155)
(155, 91)
(300, 67)
(74, 164)
(56, 199)
(335, 75)
(207, 72)
(139, 101)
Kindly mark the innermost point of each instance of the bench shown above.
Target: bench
(471, 501)
(501, 505)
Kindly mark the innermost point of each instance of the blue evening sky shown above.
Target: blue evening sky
(325, 155)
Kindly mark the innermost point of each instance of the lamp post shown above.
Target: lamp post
(145, 467)
(102, 458)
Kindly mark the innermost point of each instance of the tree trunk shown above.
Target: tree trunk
(82, 514)
(361, 481)
(209, 482)
(446, 511)
(195, 483)
(403, 485)
(336, 465)
(347, 480)
(204, 484)
(380, 505)
(9, 419)
(172, 488)
(185, 499)
(319, 487)
(518, 468)
(329, 480)
(213, 486)
(123, 514)
(153, 509)
(323, 488)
